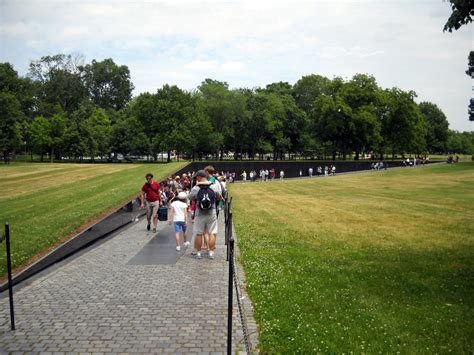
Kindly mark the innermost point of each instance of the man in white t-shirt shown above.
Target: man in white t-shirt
(179, 216)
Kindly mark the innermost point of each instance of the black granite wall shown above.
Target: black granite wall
(291, 168)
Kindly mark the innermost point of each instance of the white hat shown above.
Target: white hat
(182, 195)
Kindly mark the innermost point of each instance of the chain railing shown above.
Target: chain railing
(233, 282)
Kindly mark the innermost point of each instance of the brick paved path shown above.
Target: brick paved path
(119, 298)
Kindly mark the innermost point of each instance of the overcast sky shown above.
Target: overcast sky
(253, 43)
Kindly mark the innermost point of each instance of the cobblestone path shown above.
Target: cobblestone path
(131, 294)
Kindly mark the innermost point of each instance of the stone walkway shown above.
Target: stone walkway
(131, 294)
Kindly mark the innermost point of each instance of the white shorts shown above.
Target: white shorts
(205, 223)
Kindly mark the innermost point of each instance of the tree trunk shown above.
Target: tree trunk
(357, 155)
(41, 156)
(52, 154)
(334, 155)
(169, 156)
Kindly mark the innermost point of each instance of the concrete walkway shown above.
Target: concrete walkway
(131, 294)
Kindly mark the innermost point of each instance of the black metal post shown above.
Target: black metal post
(230, 300)
(10, 283)
(228, 234)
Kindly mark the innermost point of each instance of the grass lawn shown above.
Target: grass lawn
(378, 262)
(44, 203)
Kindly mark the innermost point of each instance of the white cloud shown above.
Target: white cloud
(248, 43)
(202, 65)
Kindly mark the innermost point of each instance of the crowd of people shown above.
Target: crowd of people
(199, 194)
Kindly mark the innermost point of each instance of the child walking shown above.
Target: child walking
(179, 216)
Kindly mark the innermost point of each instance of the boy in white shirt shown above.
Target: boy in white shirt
(179, 216)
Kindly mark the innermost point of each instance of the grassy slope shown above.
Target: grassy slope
(46, 202)
(376, 262)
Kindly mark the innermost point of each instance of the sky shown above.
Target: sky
(253, 43)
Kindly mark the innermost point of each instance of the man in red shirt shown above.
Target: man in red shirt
(151, 191)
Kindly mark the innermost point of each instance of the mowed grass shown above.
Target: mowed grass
(378, 262)
(44, 203)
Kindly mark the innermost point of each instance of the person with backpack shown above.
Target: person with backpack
(206, 194)
(151, 192)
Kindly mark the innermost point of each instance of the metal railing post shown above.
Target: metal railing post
(228, 234)
(230, 300)
(9, 269)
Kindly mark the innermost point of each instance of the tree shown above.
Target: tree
(403, 124)
(21, 88)
(41, 135)
(437, 127)
(108, 84)
(100, 130)
(295, 125)
(364, 97)
(460, 142)
(10, 125)
(280, 88)
(58, 125)
(217, 106)
(57, 81)
(463, 11)
(308, 89)
(470, 69)
(78, 138)
(128, 137)
(333, 122)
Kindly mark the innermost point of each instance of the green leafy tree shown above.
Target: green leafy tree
(333, 122)
(129, 138)
(460, 142)
(463, 11)
(238, 141)
(57, 81)
(470, 68)
(217, 106)
(58, 126)
(280, 88)
(364, 97)
(108, 84)
(403, 125)
(10, 125)
(99, 126)
(308, 89)
(437, 127)
(295, 125)
(78, 140)
(41, 135)
(21, 88)
(259, 124)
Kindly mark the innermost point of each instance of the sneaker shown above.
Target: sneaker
(194, 252)
(178, 248)
(154, 229)
(198, 255)
(186, 244)
(211, 254)
(148, 227)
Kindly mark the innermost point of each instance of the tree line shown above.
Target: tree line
(64, 108)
